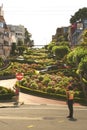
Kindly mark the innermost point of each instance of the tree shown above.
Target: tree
(79, 57)
(63, 43)
(82, 68)
(84, 37)
(80, 14)
(75, 56)
(60, 51)
(70, 58)
(62, 37)
(82, 71)
(20, 47)
(1, 62)
(28, 40)
(13, 48)
(31, 43)
(20, 43)
(50, 46)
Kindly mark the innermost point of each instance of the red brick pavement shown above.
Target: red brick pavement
(29, 99)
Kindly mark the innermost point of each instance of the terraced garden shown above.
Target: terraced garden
(51, 83)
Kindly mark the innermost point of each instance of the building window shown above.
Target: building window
(1, 24)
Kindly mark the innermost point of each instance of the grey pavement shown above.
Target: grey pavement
(39, 113)
(10, 104)
(42, 117)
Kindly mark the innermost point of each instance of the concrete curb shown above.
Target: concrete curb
(10, 104)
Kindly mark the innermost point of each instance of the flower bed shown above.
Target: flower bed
(50, 86)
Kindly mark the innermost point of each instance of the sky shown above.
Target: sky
(41, 17)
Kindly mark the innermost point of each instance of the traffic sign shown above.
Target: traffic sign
(19, 76)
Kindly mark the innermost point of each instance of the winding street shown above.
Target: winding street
(29, 99)
(40, 114)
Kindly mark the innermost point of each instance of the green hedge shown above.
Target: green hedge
(6, 94)
(5, 97)
(50, 95)
(42, 94)
(29, 61)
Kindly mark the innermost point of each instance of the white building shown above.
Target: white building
(17, 32)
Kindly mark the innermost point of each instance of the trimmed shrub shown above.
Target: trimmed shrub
(50, 90)
(5, 93)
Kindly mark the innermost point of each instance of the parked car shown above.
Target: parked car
(49, 68)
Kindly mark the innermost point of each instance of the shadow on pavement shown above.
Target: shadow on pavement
(72, 119)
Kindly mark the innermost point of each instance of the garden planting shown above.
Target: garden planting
(51, 84)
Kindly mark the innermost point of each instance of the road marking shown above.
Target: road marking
(20, 118)
(29, 118)
(30, 126)
(61, 121)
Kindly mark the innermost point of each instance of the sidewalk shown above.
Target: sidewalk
(6, 104)
(10, 104)
(28, 99)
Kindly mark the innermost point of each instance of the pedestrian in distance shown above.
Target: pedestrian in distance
(17, 90)
(70, 98)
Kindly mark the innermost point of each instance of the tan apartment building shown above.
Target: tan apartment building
(4, 36)
(60, 31)
(9, 34)
(76, 32)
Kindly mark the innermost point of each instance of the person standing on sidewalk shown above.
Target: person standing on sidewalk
(17, 90)
(70, 98)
